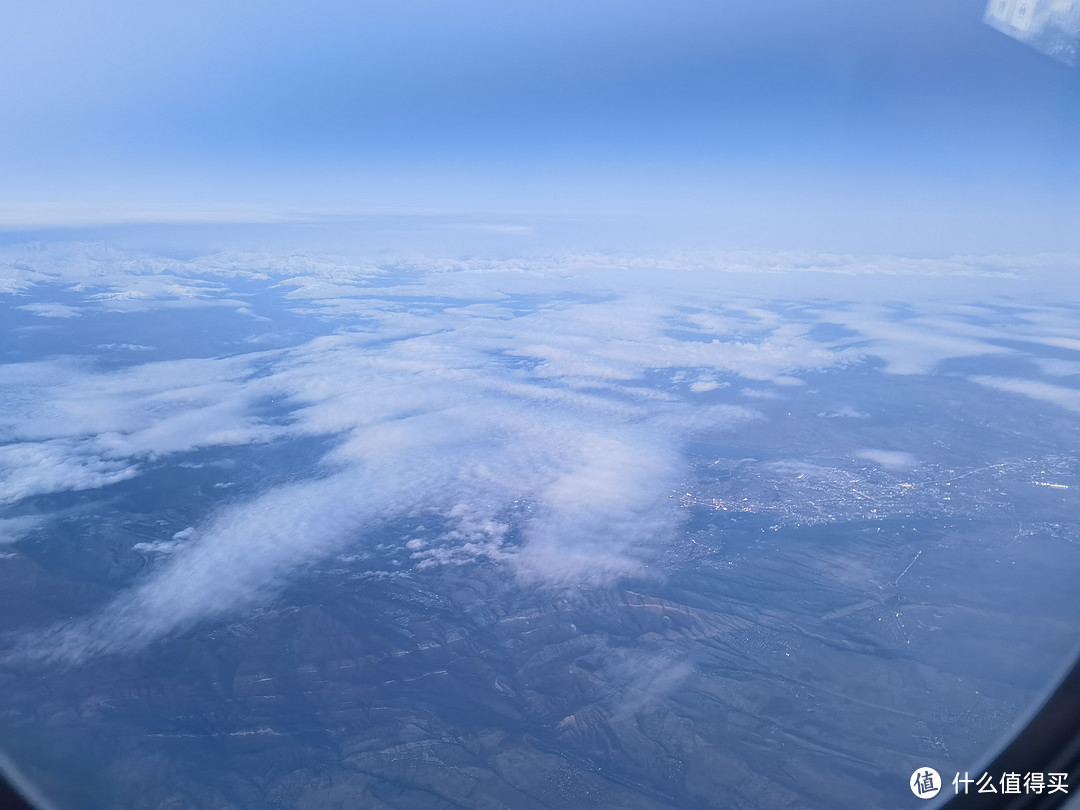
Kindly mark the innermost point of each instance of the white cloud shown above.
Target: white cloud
(1068, 398)
(475, 535)
(39, 468)
(130, 347)
(51, 309)
(889, 459)
(844, 412)
(913, 345)
(761, 393)
(28, 216)
(641, 677)
(445, 395)
(704, 384)
(422, 428)
(146, 409)
(156, 547)
(1057, 367)
(13, 529)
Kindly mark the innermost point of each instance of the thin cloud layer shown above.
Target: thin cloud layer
(1067, 398)
(889, 459)
(51, 310)
(537, 411)
(14, 529)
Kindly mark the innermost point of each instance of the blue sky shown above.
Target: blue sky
(767, 122)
